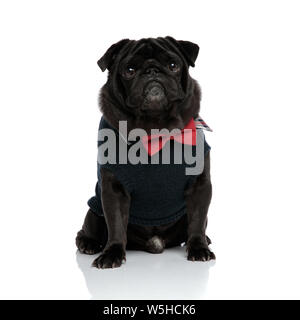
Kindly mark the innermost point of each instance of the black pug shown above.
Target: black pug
(148, 86)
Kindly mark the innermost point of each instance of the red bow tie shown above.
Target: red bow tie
(155, 142)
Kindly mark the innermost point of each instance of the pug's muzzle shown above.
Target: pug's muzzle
(155, 98)
(154, 91)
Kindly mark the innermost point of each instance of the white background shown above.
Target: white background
(249, 70)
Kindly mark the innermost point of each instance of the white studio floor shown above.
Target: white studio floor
(60, 272)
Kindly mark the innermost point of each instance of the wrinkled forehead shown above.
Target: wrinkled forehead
(150, 48)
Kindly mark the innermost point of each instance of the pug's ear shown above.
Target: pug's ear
(189, 49)
(108, 58)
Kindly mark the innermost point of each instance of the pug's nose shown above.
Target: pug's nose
(152, 70)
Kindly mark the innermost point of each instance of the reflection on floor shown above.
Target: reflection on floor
(147, 276)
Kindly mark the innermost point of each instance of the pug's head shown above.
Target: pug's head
(148, 78)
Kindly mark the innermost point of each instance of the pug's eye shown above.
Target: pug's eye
(173, 67)
(129, 72)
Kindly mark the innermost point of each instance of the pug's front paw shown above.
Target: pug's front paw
(197, 251)
(112, 257)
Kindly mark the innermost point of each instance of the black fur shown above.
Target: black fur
(154, 95)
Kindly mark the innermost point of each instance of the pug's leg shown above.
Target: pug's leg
(198, 197)
(115, 203)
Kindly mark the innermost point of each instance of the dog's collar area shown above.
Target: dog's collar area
(199, 124)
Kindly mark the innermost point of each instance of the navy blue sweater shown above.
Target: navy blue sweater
(157, 190)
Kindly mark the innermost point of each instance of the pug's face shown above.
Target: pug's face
(150, 76)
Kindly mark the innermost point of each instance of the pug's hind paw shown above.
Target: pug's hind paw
(87, 245)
